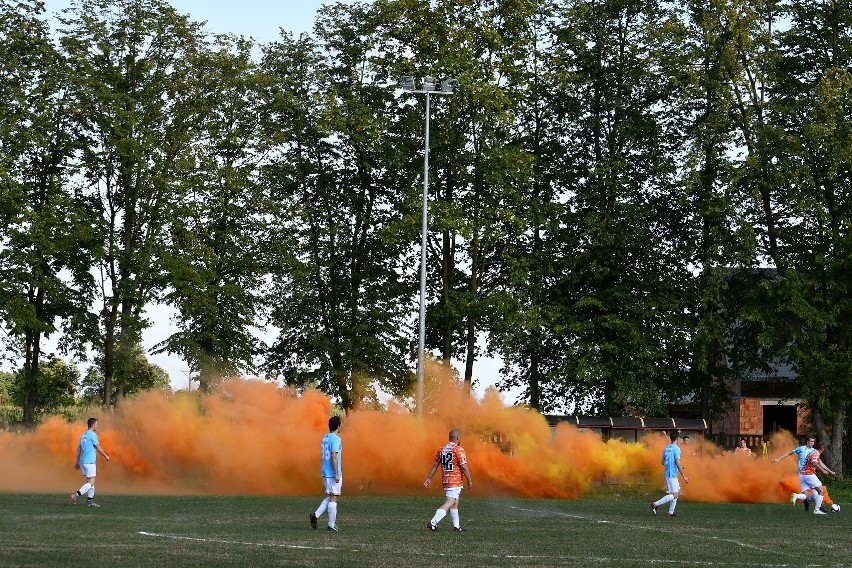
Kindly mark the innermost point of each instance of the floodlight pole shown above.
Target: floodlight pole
(421, 341)
(428, 89)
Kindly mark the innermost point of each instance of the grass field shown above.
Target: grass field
(611, 530)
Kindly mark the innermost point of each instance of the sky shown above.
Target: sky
(261, 20)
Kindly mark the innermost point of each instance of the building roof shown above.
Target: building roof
(629, 422)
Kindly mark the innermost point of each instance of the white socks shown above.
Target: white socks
(454, 515)
(332, 513)
(664, 500)
(323, 506)
(817, 501)
(439, 514)
(330, 506)
(85, 488)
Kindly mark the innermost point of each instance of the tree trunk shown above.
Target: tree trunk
(30, 378)
(535, 374)
(110, 318)
(32, 351)
(473, 293)
(835, 448)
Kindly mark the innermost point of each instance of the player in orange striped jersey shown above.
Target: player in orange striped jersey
(809, 480)
(453, 461)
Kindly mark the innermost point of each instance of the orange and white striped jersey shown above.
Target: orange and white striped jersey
(451, 457)
(810, 464)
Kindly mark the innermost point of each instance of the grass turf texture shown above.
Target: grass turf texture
(614, 529)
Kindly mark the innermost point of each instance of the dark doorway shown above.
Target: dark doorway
(777, 417)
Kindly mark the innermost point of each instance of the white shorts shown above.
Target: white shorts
(809, 482)
(88, 469)
(452, 492)
(672, 485)
(332, 487)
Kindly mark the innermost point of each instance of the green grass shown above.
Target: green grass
(616, 529)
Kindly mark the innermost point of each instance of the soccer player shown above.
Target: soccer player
(803, 452)
(452, 459)
(87, 451)
(809, 480)
(672, 466)
(332, 474)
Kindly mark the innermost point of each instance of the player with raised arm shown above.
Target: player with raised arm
(803, 452)
(809, 480)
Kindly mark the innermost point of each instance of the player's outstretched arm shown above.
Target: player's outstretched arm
(824, 468)
(779, 458)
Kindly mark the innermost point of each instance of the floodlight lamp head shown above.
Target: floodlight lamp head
(407, 82)
(447, 86)
(429, 83)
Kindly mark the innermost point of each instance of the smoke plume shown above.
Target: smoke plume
(253, 437)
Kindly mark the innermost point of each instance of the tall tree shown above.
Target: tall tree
(218, 248)
(137, 102)
(474, 162)
(339, 301)
(623, 284)
(47, 237)
(812, 98)
(525, 311)
(722, 238)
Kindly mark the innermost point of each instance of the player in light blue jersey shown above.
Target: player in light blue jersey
(804, 452)
(87, 451)
(671, 465)
(332, 474)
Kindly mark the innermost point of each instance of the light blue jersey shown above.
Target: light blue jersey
(88, 441)
(331, 443)
(803, 452)
(671, 454)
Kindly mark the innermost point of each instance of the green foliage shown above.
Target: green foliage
(338, 298)
(55, 386)
(6, 382)
(138, 97)
(46, 237)
(10, 414)
(141, 376)
(215, 275)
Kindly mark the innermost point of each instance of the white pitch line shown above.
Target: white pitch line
(649, 528)
(222, 541)
(452, 555)
(500, 556)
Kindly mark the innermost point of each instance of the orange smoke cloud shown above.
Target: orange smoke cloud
(253, 437)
